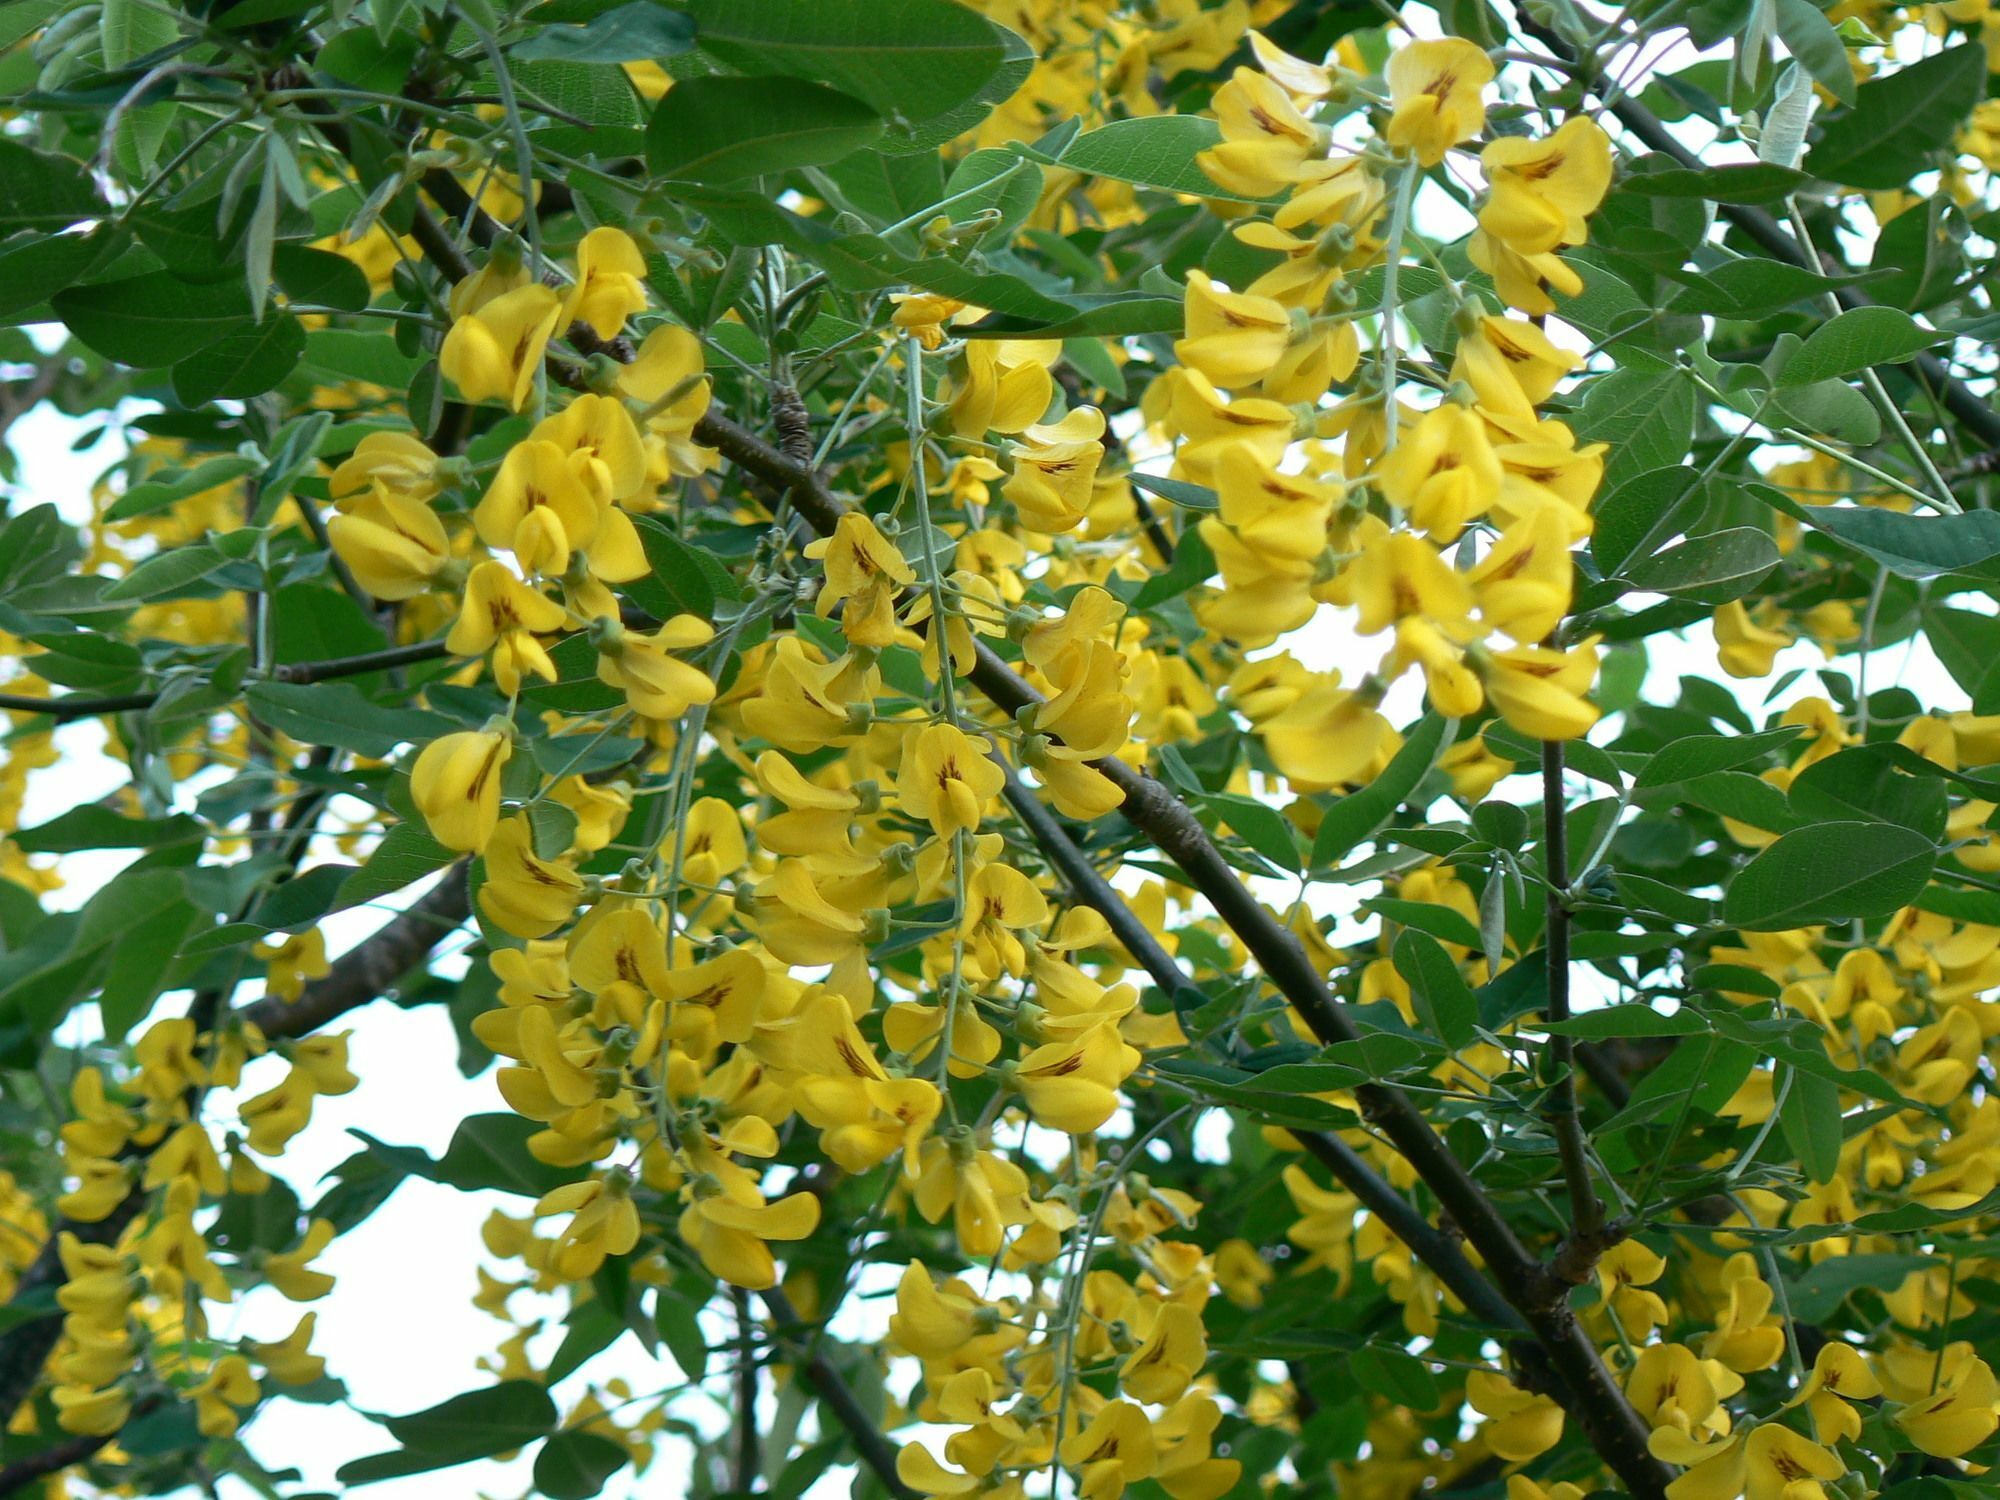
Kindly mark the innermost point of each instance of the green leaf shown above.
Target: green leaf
(1912, 545)
(1193, 564)
(41, 191)
(491, 1152)
(1179, 491)
(1157, 151)
(1832, 408)
(406, 854)
(1646, 416)
(1968, 643)
(1810, 1118)
(154, 916)
(339, 714)
(642, 31)
(132, 29)
(1829, 872)
(1809, 36)
(155, 319)
(158, 494)
(1710, 569)
(1735, 182)
(1627, 1021)
(477, 1424)
(243, 363)
(676, 1317)
(1817, 1294)
(91, 827)
(1637, 517)
(320, 277)
(1899, 119)
(1705, 754)
(1259, 825)
(1862, 784)
(1396, 1374)
(1750, 288)
(575, 1465)
(169, 573)
(1443, 997)
(919, 59)
(1362, 814)
(727, 129)
(1858, 339)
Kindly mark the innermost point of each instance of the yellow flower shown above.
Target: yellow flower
(227, 1386)
(394, 545)
(456, 786)
(1054, 470)
(604, 1222)
(288, 1272)
(1540, 193)
(666, 378)
(1113, 1451)
(397, 463)
(656, 684)
(1540, 691)
(1519, 1426)
(502, 614)
(296, 959)
(494, 354)
(947, 778)
(289, 1361)
(610, 282)
(1072, 1085)
(867, 570)
(1434, 96)
(1006, 385)
(1232, 338)
(1265, 143)
(1958, 1416)
(537, 507)
(730, 1227)
(1329, 737)
(1747, 646)
(1443, 473)
(524, 894)
(1169, 1357)
(1780, 1464)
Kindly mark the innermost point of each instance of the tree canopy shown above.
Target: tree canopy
(1144, 746)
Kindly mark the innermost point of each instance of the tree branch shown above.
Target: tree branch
(874, 1449)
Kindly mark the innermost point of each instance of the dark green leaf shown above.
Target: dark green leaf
(575, 1465)
(1442, 996)
(339, 714)
(1830, 872)
(156, 319)
(727, 129)
(44, 192)
(243, 363)
(1899, 119)
(1858, 339)
(641, 31)
(1361, 814)
(1711, 569)
(920, 59)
